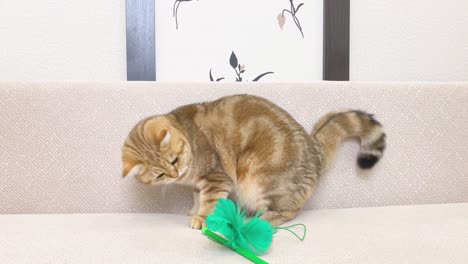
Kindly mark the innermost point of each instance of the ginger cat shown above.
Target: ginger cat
(246, 147)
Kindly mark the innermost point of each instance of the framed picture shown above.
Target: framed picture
(221, 40)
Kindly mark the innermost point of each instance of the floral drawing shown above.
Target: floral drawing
(175, 10)
(239, 69)
(292, 11)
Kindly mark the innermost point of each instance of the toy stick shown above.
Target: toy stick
(221, 240)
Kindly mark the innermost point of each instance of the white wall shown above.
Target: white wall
(85, 40)
(409, 40)
(62, 40)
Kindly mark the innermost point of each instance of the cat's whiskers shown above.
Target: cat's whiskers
(163, 190)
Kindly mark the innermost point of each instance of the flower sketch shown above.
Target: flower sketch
(239, 69)
(293, 11)
(175, 10)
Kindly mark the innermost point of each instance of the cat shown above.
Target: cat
(247, 148)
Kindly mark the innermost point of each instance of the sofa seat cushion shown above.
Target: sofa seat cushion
(394, 234)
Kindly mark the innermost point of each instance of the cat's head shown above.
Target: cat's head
(157, 152)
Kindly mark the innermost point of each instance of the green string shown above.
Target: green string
(292, 232)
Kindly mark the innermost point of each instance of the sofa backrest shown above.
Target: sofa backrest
(60, 142)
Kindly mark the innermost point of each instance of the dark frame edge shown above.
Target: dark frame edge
(140, 35)
(336, 17)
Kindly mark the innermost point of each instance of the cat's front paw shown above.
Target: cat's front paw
(197, 222)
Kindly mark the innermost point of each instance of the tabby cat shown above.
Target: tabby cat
(245, 147)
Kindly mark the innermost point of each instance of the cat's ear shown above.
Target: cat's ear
(165, 140)
(158, 133)
(162, 138)
(131, 169)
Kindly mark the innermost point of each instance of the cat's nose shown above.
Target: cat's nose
(174, 173)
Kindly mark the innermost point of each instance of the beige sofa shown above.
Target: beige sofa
(63, 200)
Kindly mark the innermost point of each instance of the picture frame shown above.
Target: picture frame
(141, 53)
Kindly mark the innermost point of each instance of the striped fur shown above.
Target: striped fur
(332, 129)
(247, 148)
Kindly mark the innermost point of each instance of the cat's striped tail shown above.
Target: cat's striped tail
(332, 129)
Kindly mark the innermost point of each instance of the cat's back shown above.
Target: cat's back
(242, 117)
(243, 107)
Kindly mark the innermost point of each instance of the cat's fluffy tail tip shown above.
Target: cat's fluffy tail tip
(366, 161)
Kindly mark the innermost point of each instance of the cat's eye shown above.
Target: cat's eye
(160, 175)
(175, 161)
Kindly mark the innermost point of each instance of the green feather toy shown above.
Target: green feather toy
(247, 236)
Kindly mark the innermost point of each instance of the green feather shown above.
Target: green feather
(258, 234)
(254, 235)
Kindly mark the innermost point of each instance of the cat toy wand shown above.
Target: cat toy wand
(248, 237)
(221, 240)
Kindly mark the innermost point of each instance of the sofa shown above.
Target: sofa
(63, 198)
